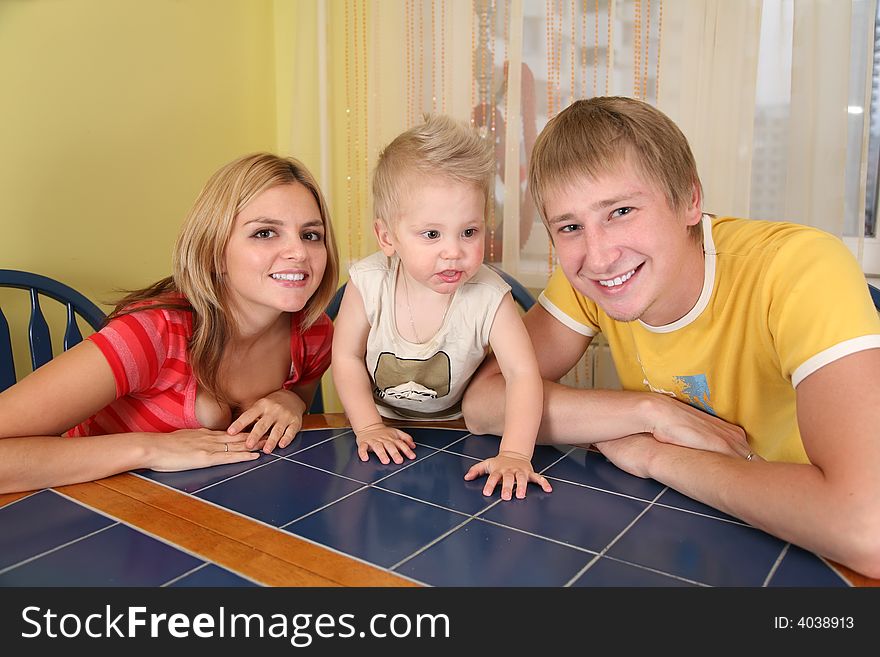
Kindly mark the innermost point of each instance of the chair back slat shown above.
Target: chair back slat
(38, 330)
(7, 364)
(72, 334)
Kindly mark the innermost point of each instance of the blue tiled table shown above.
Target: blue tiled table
(420, 521)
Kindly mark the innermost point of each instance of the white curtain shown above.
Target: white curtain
(773, 96)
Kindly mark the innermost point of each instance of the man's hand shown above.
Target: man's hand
(680, 424)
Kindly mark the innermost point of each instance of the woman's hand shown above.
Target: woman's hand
(508, 468)
(277, 418)
(185, 449)
(384, 442)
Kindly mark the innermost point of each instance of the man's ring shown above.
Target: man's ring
(750, 456)
(226, 445)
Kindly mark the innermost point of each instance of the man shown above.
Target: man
(749, 351)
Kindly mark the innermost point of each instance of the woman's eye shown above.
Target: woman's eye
(264, 233)
(313, 236)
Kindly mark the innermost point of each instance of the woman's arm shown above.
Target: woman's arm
(64, 392)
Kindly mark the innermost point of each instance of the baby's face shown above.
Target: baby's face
(438, 233)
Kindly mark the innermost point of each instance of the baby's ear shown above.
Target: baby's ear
(385, 237)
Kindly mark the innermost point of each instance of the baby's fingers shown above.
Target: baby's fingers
(541, 480)
(367, 446)
(406, 445)
(477, 470)
(493, 480)
(406, 438)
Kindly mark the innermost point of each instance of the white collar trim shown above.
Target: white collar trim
(708, 285)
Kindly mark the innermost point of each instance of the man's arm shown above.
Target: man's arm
(574, 416)
(830, 506)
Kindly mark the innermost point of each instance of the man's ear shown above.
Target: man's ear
(694, 210)
(384, 237)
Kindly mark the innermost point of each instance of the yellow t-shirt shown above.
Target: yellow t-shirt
(779, 301)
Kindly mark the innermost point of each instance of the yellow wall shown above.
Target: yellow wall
(113, 115)
(115, 112)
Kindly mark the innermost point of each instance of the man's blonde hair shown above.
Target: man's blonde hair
(593, 137)
(440, 146)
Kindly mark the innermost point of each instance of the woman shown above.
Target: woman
(204, 367)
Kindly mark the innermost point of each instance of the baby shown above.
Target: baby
(419, 316)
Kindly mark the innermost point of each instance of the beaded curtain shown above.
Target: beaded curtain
(507, 66)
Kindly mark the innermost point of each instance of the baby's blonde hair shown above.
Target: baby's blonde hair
(440, 146)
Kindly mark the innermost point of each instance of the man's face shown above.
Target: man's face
(621, 245)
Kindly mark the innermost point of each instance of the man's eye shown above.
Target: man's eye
(569, 228)
(619, 212)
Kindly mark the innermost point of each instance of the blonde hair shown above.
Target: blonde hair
(199, 257)
(591, 137)
(440, 146)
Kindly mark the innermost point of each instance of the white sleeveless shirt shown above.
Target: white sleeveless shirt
(425, 381)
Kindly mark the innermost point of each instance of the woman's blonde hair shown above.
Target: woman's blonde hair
(199, 257)
(594, 136)
(440, 146)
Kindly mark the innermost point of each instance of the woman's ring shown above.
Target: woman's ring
(227, 448)
(750, 456)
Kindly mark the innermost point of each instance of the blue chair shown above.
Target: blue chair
(518, 291)
(40, 344)
(875, 295)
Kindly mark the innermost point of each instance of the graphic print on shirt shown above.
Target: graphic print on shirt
(695, 390)
(412, 379)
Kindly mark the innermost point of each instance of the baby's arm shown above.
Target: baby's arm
(523, 405)
(354, 386)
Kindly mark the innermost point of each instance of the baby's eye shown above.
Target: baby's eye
(470, 232)
(431, 234)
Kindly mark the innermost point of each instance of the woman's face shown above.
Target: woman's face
(276, 255)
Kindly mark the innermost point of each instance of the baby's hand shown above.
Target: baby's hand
(384, 441)
(508, 468)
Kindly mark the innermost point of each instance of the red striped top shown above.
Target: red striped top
(155, 385)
